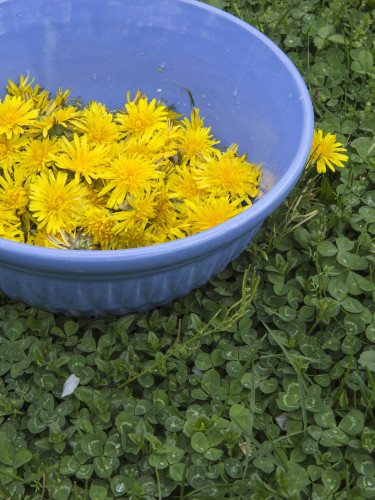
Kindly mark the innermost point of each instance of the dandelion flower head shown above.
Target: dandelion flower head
(15, 114)
(55, 203)
(141, 116)
(325, 151)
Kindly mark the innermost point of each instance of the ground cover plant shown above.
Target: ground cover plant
(261, 384)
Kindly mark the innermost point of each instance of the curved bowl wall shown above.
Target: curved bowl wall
(246, 88)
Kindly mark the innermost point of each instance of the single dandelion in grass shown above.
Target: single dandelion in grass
(229, 174)
(127, 174)
(83, 158)
(141, 116)
(55, 203)
(15, 115)
(325, 151)
(209, 212)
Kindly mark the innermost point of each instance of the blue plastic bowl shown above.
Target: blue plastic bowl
(247, 89)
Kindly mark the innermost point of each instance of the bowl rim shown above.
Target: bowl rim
(191, 247)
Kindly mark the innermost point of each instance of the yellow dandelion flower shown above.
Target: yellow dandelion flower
(116, 150)
(38, 155)
(127, 174)
(98, 124)
(184, 184)
(55, 203)
(13, 191)
(150, 145)
(10, 224)
(11, 232)
(93, 198)
(81, 158)
(24, 89)
(98, 223)
(134, 238)
(141, 116)
(39, 239)
(209, 212)
(66, 117)
(164, 233)
(17, 89)
(165, 213)
(62, 97)
(10, 149)
(140, 209)
(325, 151)
(40, 99)
(228, 174)
(15, 114)
(196, 141)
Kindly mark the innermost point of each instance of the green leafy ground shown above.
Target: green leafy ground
(274, 398)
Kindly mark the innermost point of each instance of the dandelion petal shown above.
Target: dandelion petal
(69, 386)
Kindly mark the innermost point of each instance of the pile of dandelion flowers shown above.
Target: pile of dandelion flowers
(325, 151)
(110, 180)
(56, 204)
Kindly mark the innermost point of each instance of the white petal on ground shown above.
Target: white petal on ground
(69, 386)
(282, 420)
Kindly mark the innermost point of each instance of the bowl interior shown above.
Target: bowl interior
(247, 90)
